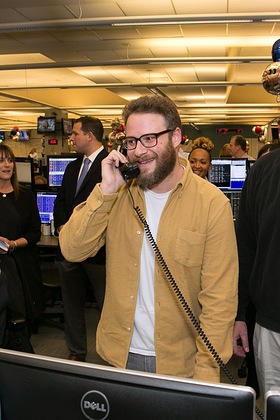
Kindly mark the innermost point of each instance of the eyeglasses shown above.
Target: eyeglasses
(147, 140)
(8, 160)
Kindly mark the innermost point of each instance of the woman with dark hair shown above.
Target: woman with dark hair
(20, 230)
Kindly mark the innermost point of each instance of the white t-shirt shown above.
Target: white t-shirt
(143, 335)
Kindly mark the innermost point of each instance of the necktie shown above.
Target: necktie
(83, 174)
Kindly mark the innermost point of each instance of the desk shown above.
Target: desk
(48, 241)
(47, 247)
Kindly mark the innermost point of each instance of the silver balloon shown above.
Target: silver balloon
(271, 78)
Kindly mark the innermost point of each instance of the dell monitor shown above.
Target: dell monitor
(40, 387)
(56, 165)
(45, 202)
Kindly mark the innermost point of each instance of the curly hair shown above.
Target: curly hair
(203, 143)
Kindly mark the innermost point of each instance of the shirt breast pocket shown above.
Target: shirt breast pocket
(190, 248)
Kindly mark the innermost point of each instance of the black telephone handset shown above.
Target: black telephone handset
(128, 170)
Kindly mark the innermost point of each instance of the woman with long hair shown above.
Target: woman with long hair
(20, 230)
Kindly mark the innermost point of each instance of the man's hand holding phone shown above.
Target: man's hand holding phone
(112, 178)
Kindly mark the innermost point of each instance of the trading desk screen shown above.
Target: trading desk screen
(228, 174)
(56, 168)
(45, 202)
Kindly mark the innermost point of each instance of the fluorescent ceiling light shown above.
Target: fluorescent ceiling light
(230, 41)
(182, 22)
(156, 91)
(202, 97)
(194, 126)
(194, 19)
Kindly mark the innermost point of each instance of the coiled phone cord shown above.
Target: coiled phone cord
(181, 298)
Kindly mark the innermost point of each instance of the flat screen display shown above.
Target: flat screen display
(39, 387)
(67, 125)
(56, 167)
(228, 173)
(25, 171)
(45, 202)
(46, 125)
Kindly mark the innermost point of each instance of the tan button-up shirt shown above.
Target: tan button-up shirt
(197, 241)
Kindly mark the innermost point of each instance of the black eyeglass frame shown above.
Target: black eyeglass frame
(124, 144)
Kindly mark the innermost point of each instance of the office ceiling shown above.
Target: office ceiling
(89, 57)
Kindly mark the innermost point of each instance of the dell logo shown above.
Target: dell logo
(95, 405)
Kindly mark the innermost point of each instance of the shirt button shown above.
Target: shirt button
(128, 329)
(131, 297)
(138, 232)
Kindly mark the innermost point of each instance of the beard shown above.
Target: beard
(165, 164)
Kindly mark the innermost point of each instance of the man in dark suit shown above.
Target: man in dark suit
(87, 135)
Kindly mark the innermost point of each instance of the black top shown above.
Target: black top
(258, 237)
(20, 218)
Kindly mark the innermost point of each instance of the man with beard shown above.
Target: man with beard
(143, 324)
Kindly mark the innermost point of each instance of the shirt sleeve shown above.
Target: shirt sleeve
(84, 233)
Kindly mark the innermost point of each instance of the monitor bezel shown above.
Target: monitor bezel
(105, 379)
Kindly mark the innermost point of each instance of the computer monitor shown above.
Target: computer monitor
(45, 202)
(33, 386)
(25, 171)
(228, 174)
(272, 405)
(56, 165)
